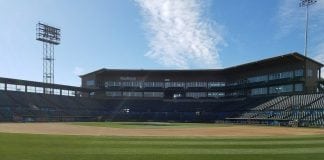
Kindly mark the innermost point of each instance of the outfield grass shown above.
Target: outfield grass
(148, 124)
(54, 147)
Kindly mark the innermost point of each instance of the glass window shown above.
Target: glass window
(132, 84)
(57, 91)
(31, 89)
(112, 84)
(113, 93)
(72, 93)
(309, 73)
(196, 94)
(153, 84)
(20, 88)
(216, 84)
(281, 89)
(49, 91)
(39, 90)
(299, 73)
(281, 75)
(153, 94)
(196, 84)
(232, 84)
(216, 94)
(90, 83)
(262, 78)
(2, 86)
(11, 87)
(259, 91)
(174, 84)
(132, 94)
(65, 92)
(299, 87)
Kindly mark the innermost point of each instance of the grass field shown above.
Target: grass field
(17, 146)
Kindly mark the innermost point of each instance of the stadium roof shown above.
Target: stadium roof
(290, 56)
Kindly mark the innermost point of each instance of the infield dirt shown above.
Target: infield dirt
(221, 131)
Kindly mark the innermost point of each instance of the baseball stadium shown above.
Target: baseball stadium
(271, 108)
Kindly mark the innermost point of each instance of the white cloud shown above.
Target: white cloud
(179, 35)
(78, 71)
(292, 18)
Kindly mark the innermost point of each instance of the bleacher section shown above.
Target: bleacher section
(304, 109)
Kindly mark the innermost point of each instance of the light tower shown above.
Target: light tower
(306, 3)
(50, 36)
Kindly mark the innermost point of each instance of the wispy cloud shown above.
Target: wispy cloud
(78, 71)
(291, 19)
(180, 35)
(289, 16)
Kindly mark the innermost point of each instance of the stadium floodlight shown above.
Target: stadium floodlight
(306, 3)
(50, 36)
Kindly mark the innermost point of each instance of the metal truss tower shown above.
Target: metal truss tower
(50, 36)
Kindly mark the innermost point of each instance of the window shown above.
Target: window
(196, 84)
(11, 87)
(20, 88)
(153, 84)
(132, 84)
(65, 92)
(39, 90)
(112, 84)
(113, 93)
(31, 89)
(153, 94)
(174, 84)
(259, 91)
(309, 73)
(49, 91)
(57, 92)
(132, 94)
(90, 83)
(196, 94)
(299, 73)
(2, 86)
(72, 93)
(281, 75)
(216, 94)
(281, 89)
(263, 78)
(299, 87)
(216, 84)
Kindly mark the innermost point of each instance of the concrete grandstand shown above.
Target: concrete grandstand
(282, 90)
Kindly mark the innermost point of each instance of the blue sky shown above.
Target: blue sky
(153, 34)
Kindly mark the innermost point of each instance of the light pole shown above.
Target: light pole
(306, 3)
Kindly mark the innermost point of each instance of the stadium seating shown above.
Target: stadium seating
(307, 109)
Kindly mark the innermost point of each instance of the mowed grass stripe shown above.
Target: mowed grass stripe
(124, 151)
(138, 145)
(40, 147)
(212, 143)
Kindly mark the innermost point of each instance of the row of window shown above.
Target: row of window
(276, 76)
(162, 84)
(161, 94)
(134, 94)
(34, 89)
(278, 89)
(262, 78)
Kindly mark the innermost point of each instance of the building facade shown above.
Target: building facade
(287, 73)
